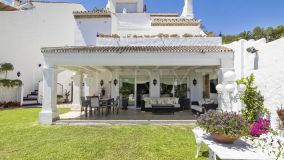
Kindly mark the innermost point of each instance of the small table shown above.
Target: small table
(163, 108)
(240, 150)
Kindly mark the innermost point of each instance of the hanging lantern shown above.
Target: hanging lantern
(115, 82)
(18, 74)
(155, 82)
(102, 82)
(194, 82)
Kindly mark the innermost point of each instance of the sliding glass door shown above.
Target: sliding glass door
(127, 87)
(173, 86)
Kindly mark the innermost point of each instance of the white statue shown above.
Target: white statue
(230, 93)
(124, 10)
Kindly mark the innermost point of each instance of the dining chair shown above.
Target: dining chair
(116, 105)
(84, 105)
(106, 104)
(94, 103)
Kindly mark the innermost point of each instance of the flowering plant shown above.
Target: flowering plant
(269, 144)
(260, 127)
(228, 124)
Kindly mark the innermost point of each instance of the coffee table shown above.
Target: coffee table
(163, 109)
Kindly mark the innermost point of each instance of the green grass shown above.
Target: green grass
(21, 137)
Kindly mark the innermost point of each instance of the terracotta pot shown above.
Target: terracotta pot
(223, 139)
(281, 116)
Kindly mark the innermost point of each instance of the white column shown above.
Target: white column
(49, 111)
(88, 81)
(77, 91)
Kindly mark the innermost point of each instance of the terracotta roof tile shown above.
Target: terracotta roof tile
(135, 49)
(92, 14)
(174, 22)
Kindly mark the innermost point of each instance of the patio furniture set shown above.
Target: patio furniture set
(96, 104)
(173, 104)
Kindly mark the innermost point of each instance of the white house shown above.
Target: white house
(24, 29)
(169, 54)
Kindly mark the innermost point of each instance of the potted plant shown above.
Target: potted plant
(224, 127)
(280, 112)
(125, 92)
(262, 126)
(103, 92)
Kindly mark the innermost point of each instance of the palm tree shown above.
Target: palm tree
(5, 67)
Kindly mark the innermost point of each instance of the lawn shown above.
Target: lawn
(21, 137)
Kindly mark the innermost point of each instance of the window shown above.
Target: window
(130, 7)
(206, 86)
(166, 86)
(213, 84)
(171, 86)
(181, 87)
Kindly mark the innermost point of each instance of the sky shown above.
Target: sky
(225, 16)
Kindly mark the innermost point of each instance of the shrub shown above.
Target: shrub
(9, 104)
(10, 83)
(260, 127)
(187, 35)
(229, 124)
(174, 35)
(161, 35)
(252, 99)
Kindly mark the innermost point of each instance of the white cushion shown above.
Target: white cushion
(153, 101)
(175, 101)
(161, 101)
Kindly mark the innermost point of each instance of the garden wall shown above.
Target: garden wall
(269, 75)
(10, 94)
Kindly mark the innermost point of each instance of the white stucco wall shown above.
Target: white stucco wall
(86, 30)
(23, 33)
(270, 75)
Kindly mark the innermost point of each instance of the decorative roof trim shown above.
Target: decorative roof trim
(164, 14)
(92, 14)
(174, 22)
(135, 49)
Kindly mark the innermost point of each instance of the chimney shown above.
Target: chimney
(187, 9)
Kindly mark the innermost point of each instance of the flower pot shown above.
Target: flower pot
(223, 138)
(281, 116)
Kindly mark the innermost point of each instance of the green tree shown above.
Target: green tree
(252, 99)
(271, 34)
(5, 67)
(258, 33)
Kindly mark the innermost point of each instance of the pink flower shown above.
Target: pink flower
(260, 127)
